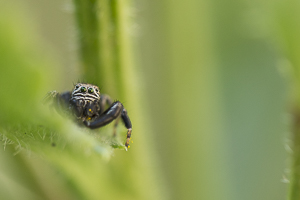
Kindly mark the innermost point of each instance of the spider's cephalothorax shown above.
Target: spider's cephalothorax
(88, 106)
(84, 101)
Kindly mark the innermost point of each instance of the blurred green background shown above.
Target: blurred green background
(208, 86)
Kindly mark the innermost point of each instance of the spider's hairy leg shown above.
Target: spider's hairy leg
(128, 125)
(107, 117)
(105, 100)
(112, 113)
(59, 101)
(116, 126)
(50, 96)
(64, 98)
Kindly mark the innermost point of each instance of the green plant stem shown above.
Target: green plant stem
(117, 75)
(88, 35)
(98, 29)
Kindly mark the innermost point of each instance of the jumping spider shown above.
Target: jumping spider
(88, 106)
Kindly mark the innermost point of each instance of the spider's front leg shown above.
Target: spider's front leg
(50, 96)
(59, 101)
(105, 101)
(112, 113)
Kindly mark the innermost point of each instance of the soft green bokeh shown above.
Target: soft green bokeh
(216, 96)
(202, 85)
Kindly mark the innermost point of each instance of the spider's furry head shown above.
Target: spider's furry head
(86, 92)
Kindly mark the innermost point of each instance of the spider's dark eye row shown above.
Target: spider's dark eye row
(91, 90)
(83, 89)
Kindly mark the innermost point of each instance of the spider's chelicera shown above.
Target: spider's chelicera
(88, 106)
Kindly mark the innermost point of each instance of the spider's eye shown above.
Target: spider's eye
(91, 90)
(83, 89)
(76, 87)
(97, 90)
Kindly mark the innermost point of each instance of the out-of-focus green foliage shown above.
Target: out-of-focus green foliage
(211, 69)
(78, 160)
(201, 84)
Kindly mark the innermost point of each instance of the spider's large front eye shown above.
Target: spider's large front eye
(91, 90)
(83, 89)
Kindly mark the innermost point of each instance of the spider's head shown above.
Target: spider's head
(85, 100)
(86, 92)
